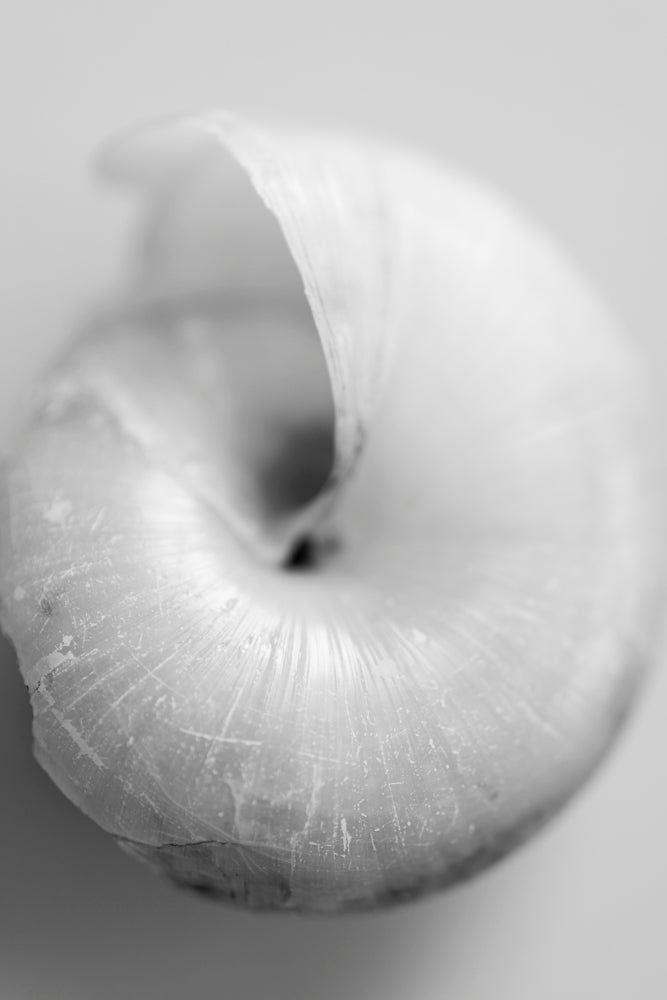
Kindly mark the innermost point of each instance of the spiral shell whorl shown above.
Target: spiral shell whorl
(407, 714)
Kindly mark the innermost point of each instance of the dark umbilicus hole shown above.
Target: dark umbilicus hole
(310, 551)
(303, 555)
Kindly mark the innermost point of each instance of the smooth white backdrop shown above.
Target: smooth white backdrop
(563, 106)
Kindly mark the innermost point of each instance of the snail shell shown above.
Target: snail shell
(447, 430)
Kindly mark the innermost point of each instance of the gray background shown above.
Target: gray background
(563, 106)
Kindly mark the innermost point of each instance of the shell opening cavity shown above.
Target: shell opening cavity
(220, 358)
